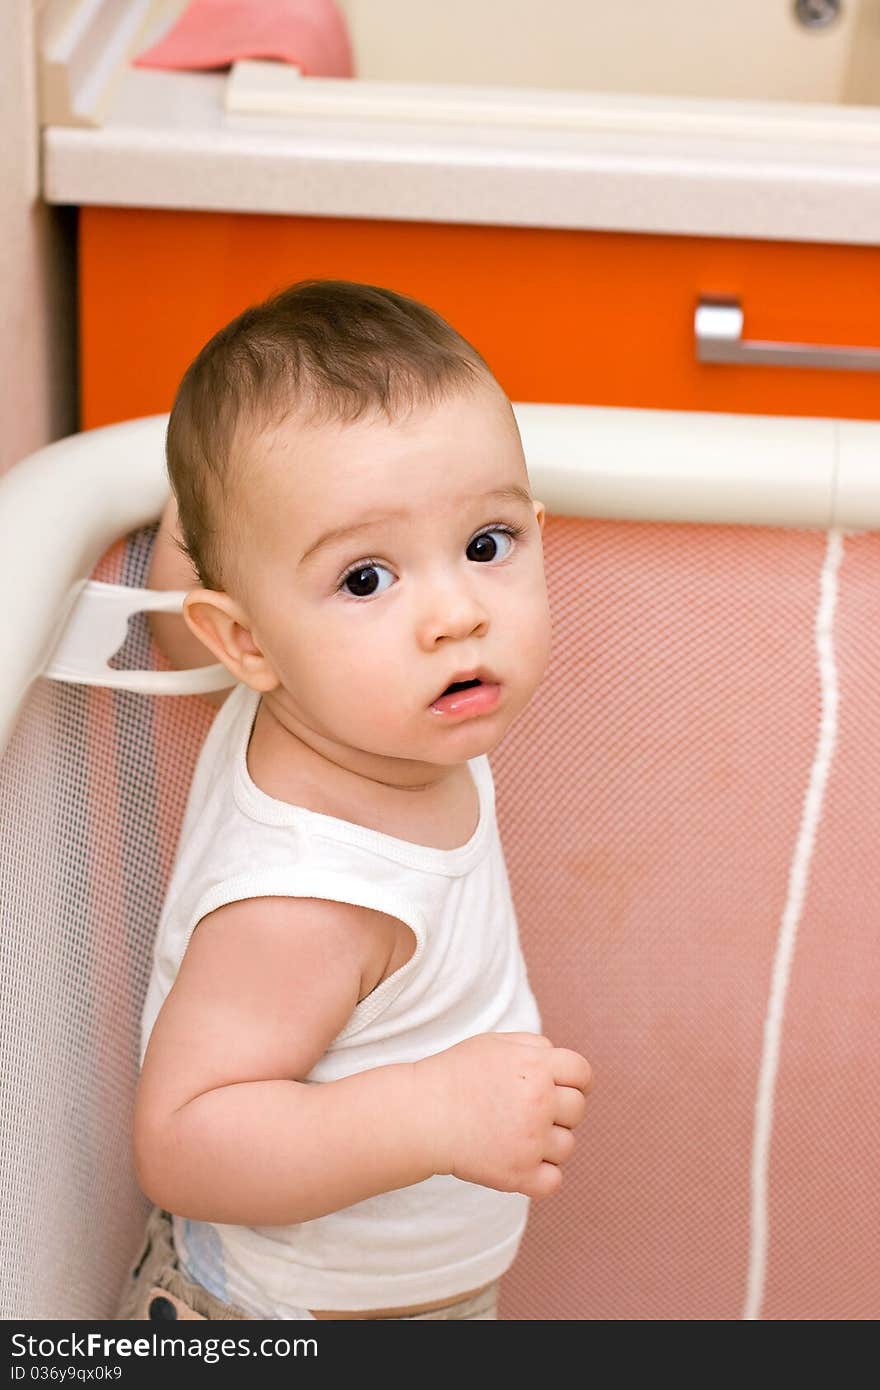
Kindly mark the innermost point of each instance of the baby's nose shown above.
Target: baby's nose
(453, 610)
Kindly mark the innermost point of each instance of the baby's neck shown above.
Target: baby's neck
(352, 770)
(441, 814)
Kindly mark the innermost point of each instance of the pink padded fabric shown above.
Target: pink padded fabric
(214, 33)
(650, 801)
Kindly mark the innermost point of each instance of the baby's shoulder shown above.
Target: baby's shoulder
(309, 934)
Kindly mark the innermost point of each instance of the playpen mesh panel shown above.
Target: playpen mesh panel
(651, 802)
(690, 786)
(93, 787)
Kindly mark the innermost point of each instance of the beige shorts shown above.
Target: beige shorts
(156, 1289)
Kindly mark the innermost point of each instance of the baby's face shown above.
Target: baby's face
(365, 630)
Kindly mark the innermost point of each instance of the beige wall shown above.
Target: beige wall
(751, 49)
(37, 265)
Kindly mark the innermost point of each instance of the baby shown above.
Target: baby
(345, 1098)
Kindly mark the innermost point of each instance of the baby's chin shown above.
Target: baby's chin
(468, 739)
(409, 737)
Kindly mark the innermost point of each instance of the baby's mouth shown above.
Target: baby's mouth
(464, 699)
(459, 685)
(482, 676)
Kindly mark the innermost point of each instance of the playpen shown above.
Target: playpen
(689, 809)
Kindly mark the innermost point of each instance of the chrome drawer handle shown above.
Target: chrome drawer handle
(718, 330)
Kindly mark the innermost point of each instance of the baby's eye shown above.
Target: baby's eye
(364, 580)
(484, 546)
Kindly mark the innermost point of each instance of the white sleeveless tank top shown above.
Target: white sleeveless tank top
(431, 1240)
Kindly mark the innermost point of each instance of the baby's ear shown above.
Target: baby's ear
(223, 626)
(540, 513)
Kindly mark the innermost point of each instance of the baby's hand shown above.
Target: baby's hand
(501, 1108)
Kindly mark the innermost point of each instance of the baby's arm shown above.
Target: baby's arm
(225, 1129)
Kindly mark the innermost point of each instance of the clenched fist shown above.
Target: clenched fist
(501, 1108)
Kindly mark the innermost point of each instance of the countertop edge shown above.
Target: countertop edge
(763, 194)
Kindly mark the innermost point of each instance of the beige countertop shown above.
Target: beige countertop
(779, 171)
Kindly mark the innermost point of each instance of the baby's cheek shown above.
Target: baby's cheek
(534, 620)
(375, 722)
(361, 690)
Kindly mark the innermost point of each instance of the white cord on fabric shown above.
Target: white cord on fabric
(791, 916)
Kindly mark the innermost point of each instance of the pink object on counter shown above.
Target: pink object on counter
(214, 33)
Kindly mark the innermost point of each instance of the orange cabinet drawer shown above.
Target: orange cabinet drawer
(594, 318)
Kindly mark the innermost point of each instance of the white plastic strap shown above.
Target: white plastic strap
(97, 627)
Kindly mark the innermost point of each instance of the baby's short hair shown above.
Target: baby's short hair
(323, 349)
